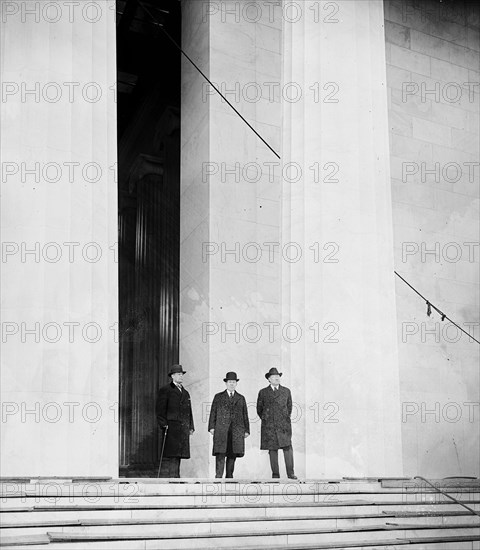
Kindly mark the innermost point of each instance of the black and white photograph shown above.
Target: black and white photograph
(240, 274)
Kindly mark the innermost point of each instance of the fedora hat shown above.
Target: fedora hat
(175, 369)
(271, 372)
(231, 376)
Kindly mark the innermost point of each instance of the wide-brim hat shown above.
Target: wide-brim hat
(273, 371)
(174, 369)
(231, 376)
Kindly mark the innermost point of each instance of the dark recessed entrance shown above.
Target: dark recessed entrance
(148, 114)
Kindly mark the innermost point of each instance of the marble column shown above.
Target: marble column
(341, 291)
(59, 233)
(326, 290)
(230, 207)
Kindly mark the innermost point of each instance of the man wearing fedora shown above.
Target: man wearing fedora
(174, 416)
(274, 407)
(229, 425)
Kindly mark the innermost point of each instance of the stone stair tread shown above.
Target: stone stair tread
(358, 544)
(233, 505)
(231, 519)
(346, 503)
(45, 540)
(232, 493)
(24, 540)
(65, 536)
(426, 513)
(444, 483)
(71, 479)
(380, 483)
(158, 522)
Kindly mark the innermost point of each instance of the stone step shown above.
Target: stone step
(27, 521)
(422, 543)
(390, 481)
(280, 497)
(144, 513)
(445, 482)
(250, 524)
(302, 538)
(133, 488)
(270, 510)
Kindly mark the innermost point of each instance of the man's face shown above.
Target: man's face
(177, 377)
(274, 379)
(231, 385)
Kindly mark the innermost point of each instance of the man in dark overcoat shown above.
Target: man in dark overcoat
(174, 410)
(274, 407)
(229, 425)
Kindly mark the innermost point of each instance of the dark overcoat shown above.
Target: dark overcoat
(174, 409)
(274, 409)
(226, 411)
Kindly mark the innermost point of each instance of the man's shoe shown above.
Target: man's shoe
(274, 476)
(292, 477)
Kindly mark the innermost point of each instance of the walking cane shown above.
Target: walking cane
(163, 447)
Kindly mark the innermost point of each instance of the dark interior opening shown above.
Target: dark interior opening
(148, 115)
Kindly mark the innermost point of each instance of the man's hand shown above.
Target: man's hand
(246, 435)
(191, 432)
(211, 431)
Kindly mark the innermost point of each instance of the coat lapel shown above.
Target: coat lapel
(181, 393)
(275, 393)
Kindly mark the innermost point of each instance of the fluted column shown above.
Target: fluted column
(342, 289)
(59, 201)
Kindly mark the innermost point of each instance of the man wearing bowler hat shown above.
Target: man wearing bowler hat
(274, 407)
(229, 425)
(174, 416)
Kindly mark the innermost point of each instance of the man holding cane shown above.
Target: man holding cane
(174, 416)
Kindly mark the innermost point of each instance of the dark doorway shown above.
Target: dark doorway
(148, 114)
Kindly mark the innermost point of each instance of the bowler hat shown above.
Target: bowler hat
(175, 369)
(231, 376)
(271, 372)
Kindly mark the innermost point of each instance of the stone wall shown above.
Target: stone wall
(433, 89)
